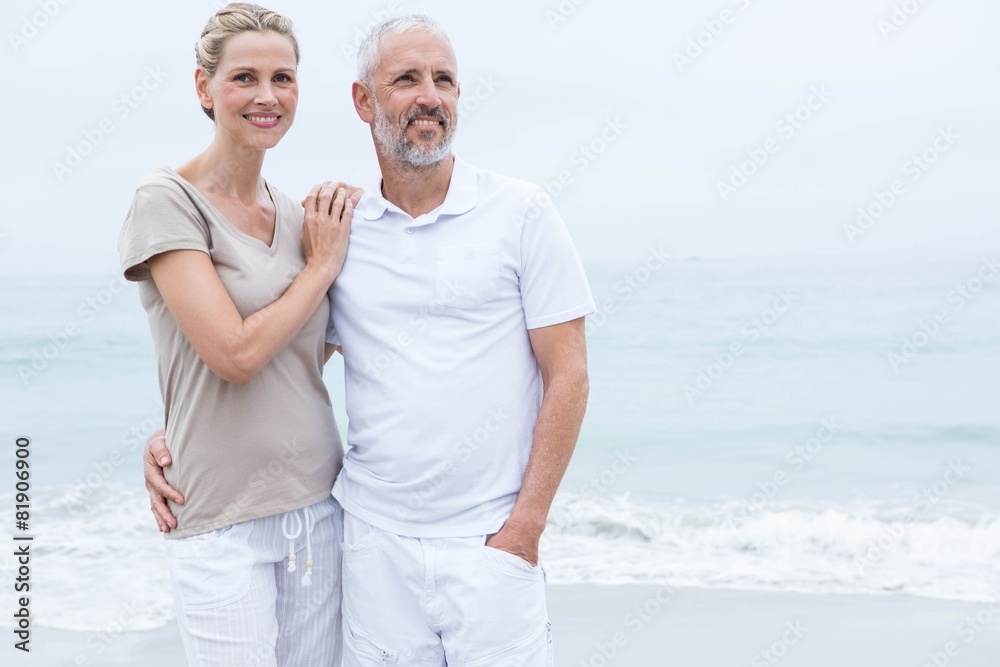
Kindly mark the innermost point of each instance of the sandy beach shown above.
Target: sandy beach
(719, 628)
(650, 626)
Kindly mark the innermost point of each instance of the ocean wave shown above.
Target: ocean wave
(948, 553)
(97, 560)
(98, 564)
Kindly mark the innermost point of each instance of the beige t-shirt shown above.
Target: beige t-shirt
(239, 451)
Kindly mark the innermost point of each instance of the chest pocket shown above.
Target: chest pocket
(467, 276)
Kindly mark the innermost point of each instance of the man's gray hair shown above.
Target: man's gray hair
(369, 51)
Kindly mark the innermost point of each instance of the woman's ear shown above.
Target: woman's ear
(202, 84)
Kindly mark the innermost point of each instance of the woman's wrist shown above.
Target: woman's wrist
(321, 270)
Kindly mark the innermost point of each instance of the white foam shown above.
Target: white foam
(863, 549)
(98, 565)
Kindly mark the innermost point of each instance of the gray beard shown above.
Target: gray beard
(394, 142)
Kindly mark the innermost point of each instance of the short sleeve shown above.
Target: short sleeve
(554, 287)
(160, 219)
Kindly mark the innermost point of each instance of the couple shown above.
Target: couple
(460, 318)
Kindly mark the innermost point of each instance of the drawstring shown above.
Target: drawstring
(309, 523)
(291, 538)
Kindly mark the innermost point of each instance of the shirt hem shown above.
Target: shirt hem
(582, 310)
(132, 271)
(267, 511)
(423, 530)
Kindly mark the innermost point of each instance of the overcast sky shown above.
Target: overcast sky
(685, 107)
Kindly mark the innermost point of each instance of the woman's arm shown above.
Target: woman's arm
(236, 349)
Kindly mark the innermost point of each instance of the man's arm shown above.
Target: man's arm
(561, 352)
(154, 460)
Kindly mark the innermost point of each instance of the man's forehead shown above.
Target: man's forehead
(416, 50)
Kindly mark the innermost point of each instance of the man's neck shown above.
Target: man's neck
(416, 190)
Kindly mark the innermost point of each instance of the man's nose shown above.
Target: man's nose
(427, 95)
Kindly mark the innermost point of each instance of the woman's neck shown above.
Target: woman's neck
(230, 171)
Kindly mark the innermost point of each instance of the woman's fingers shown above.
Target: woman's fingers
(353, 193)
(347, 216)
(310, 202)
(326, 196)
(324, 233)
(337, 205)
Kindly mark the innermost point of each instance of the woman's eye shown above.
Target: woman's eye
(283, 78)
(242, 77)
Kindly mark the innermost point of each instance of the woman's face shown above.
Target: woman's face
(254, 91)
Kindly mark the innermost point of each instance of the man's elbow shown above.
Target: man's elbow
(574, 380)
(583, 385)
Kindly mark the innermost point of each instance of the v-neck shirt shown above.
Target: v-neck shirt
(239, 451)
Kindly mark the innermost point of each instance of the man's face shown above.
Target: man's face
(415, 99)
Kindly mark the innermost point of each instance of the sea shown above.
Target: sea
(822, 425)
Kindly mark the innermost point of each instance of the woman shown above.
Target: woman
(238, 310)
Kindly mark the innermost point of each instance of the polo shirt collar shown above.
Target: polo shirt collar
(461, 198)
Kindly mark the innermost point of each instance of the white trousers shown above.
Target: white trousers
(440, 601)
(239, 606)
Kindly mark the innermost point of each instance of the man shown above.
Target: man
(460, 314)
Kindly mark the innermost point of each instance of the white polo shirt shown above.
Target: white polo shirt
(443, 389)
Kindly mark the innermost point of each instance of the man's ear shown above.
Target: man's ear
(363, 102)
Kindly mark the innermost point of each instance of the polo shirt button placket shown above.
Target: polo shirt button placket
(408, 247)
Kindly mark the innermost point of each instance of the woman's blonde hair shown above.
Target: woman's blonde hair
(233, 19)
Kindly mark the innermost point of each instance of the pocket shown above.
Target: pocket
(360, 539)
(467, 276)
(510, 564)
(366, 650)
(214, 569)
(535, 649)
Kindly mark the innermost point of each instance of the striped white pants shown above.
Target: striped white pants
(239, 606)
